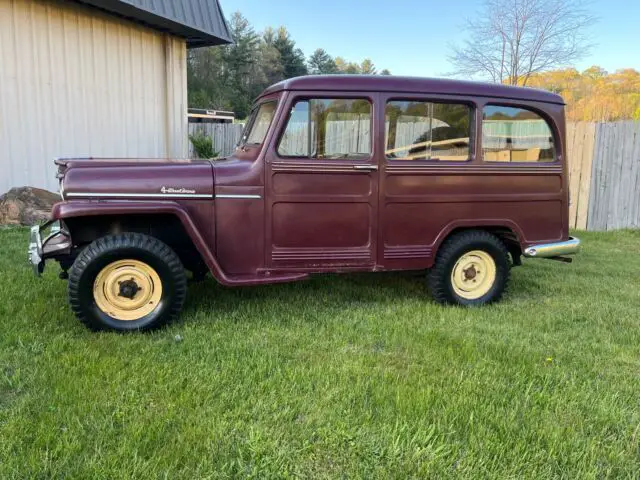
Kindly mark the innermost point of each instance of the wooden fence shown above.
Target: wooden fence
(604, 169)
(604, 175)
(225, 136)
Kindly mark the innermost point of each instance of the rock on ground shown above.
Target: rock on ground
(26, 206)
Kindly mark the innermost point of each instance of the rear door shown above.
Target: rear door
(426, 164)
(322, 184)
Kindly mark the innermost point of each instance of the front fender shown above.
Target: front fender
(89, 208)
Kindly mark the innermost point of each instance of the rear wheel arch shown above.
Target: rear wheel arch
(508, 233)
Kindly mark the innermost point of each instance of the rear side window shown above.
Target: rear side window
(427, 131)
(325, 128)
(512, 134)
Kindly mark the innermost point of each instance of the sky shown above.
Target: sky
(411, 37)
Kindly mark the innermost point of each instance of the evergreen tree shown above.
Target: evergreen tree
(232, 76)
(292, 58)
(321, 63)
(367, 67)
(241, 64)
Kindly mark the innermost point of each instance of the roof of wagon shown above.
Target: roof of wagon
(392, 83)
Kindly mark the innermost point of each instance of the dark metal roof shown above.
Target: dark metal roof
(201, 22)
(392, 83)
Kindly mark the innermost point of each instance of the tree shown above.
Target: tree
(241, 68)
(594, 94)
(385, 72)
(510, 40)
(321, 63)
(205, 83)
(367, 67)
(292, 58)
(270, 58)
(231, 76)
(347, 67)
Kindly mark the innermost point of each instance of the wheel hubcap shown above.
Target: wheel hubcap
(473, 275)
(127, 290)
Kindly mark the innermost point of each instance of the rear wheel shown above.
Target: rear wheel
(471, 268)
(127, 282)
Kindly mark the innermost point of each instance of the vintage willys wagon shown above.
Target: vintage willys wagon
(333, 174)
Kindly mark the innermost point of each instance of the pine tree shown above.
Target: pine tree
(367, 67)
(292, 58)
(241, 64)
(321, 63)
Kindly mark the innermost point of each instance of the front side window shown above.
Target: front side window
(512, 134)
(427, 131)
(259, 123)
(328, 129)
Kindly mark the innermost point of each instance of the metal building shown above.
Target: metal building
(96, 78)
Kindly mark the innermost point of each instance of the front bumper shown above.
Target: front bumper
(553, 250)
(56, 244)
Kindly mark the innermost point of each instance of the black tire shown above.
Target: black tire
(128, 246)
(454, 248)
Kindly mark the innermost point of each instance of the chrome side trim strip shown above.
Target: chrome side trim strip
(158, 195)
(138, 195)
(229, 195)
(556, 249)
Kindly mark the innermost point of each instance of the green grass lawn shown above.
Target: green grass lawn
(355, 376)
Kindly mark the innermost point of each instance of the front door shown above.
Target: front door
(322, 185)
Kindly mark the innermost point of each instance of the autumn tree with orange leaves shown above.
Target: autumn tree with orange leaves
(594, 94)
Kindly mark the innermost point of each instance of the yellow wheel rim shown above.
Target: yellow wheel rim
(473, 275)
(127, 290)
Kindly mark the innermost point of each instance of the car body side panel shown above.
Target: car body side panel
(88, 208)
(240, 231)
(422, 201)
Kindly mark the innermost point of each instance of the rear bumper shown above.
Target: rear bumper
(551, 250)
(56, 244)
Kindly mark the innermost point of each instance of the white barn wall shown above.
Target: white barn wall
(77, 82)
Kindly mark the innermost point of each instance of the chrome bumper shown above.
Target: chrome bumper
(35, 250)
(57, 243)
(551, 250)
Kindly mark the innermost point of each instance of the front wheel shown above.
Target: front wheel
(471, 268)
(127, 282)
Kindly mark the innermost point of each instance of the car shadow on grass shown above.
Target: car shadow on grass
(337, 290)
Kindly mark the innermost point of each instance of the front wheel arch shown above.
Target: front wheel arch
(87, 210)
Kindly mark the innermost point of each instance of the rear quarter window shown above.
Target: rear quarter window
(516, 134)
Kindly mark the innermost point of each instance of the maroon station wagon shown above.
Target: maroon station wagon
(333, 174)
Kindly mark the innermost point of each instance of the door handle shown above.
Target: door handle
(369, 168)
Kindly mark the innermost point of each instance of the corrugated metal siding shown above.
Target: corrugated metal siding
(202, 22)
(77, 82)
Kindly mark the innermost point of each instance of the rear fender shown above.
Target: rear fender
(75, 209)
(480, 224)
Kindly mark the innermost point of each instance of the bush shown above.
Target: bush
(203, 145)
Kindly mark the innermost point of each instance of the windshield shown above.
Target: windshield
(259, 123)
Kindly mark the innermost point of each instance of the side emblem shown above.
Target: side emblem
(176, 191)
